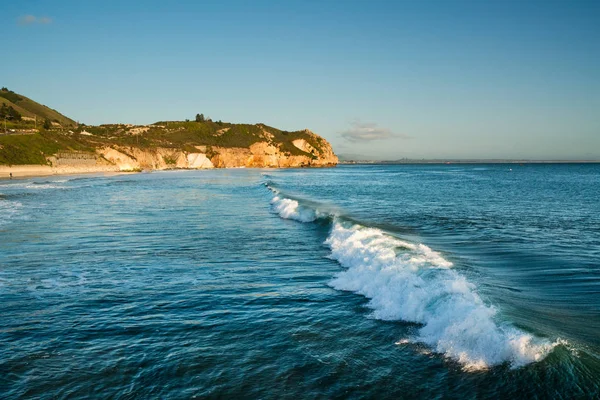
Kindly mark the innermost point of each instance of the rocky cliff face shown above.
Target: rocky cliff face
(269, 154)
(266, 155)
(262, 154)
(308, 150)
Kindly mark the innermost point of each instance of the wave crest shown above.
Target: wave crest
(411, 282)
(290, 209)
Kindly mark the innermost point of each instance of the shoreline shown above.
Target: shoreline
(39, 171)
(33, 171)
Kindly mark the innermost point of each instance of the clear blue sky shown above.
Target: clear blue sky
(417, 79)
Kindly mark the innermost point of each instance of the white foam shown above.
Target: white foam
(42, 186)
(36, 185)
(411, 282)
(290, 209)
(418, 286)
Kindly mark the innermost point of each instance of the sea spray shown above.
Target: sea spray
(411, 282)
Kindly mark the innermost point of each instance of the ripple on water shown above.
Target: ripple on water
(186, 284)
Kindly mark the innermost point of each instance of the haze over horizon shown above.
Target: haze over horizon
(380, 80)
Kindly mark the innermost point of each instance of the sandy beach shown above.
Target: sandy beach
(28, 171)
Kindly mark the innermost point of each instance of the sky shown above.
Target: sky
(378, 79)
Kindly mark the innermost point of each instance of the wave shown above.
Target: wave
(50, 182)
(288, 208)
(291, 209)
(411, 282)
(8, 209)
(36, 185)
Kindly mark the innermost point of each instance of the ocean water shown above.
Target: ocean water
(407, 281)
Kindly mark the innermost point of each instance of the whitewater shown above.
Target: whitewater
(411, 282)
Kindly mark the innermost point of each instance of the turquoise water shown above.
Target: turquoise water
(411, 281)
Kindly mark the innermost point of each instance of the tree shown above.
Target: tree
(199, 117)
(47, 124)
(7, 112)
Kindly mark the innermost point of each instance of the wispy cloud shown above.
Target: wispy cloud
(33, 20)
(369, 131)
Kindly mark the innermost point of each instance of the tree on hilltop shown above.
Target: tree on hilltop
(200, 118)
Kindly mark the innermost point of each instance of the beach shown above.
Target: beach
(27, 171)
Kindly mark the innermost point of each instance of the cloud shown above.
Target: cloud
(368, 131)
(33, 20)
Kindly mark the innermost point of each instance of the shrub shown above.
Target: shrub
(169, 160)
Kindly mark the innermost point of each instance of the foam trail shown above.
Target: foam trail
(411, 282)
(45, 185)
(35, 185)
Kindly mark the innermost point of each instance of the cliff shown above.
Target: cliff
(61, 144)
(258, 155)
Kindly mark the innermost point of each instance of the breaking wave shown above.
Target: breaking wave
(413, 283)
(290, 209)
(38, 185)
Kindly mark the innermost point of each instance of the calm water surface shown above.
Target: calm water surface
(429, 281)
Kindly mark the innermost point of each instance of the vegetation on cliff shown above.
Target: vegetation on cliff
(34, 148)
(44, 132)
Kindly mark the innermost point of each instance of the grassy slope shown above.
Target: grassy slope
(33, 149)
(30, 108)
(21, 110)
(181, 134)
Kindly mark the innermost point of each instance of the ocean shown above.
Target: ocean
(361, 281)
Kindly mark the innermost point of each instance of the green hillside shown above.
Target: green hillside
(31, 109)
(24, 145)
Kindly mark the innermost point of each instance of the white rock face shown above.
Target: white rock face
(126, 159)
(303, 145)
(122, 161)
(198, 160)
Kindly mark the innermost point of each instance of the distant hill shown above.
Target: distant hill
(156, 146)
(31, 109)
